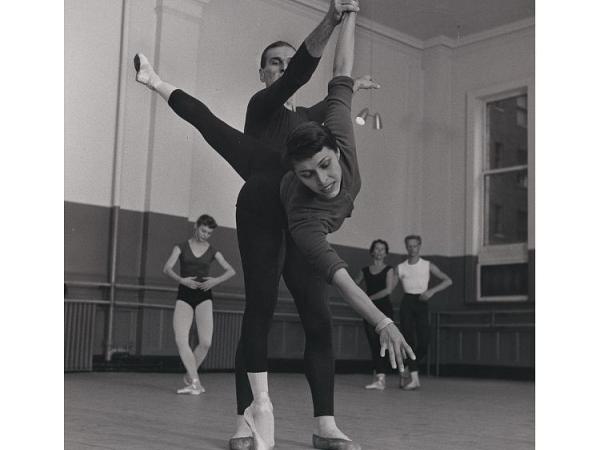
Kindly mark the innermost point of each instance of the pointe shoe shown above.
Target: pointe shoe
(378, 384)
(195, 388)
(414, 382)
(144, 72)
(334, 443)
(241, 443)
(259, 441)
(411, 386)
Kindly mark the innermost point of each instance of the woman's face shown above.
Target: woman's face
(202, 232)
(322, 173)
(379, 252)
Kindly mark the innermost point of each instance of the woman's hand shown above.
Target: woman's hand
(365, 82)
(190, 282)
(208, 283)
(392, 340)
(337, 8)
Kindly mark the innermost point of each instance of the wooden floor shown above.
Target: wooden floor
(142, 411)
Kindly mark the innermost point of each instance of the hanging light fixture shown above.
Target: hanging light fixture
(364, 113)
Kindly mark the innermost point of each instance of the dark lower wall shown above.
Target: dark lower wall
(145, 242)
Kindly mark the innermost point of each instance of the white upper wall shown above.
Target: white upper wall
(92, 36)
(412, 170)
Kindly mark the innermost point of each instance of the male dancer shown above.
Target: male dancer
(414, 274)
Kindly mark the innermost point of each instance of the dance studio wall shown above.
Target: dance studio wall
(413, 170)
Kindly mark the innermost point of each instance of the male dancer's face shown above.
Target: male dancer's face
(276, 62)
(322, 173)
(413, 247)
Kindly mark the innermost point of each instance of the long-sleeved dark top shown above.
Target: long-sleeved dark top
(269, 121)
(266, 117)
(311, 217)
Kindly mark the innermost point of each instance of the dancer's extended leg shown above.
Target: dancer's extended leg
(244, 153)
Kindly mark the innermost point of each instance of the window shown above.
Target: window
(499, 192)
(504, 176)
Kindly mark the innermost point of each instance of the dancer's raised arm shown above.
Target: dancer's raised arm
(284, 70)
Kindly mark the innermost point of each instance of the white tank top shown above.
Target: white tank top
(414, 277)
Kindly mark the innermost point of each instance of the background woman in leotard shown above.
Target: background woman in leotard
(379, 280)
(194, 297)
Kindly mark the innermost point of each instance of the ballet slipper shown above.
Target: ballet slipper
(259, 442)
(411, 386)
(144, 72)
(334, 443)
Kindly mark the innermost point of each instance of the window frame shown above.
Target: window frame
(475, 208)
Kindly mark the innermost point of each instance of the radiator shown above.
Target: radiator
(227, 329)
(79, 336)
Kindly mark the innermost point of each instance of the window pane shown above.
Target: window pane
(506, 207)
(504, 279)
(506, 132)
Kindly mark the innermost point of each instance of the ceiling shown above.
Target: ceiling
(425, 19)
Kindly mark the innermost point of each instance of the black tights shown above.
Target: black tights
(267, 251)
(381, 364)
(414, 325)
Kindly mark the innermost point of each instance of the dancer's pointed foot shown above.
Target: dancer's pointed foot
(145, 74)
(242, 430)
(194, 388)
(259, 417)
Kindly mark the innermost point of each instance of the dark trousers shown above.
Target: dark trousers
(414, 325)
(381, 364)
(266, 255)
(267, 251)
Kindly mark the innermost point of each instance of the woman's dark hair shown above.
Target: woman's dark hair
(305, 141)
(379, 241)
(206, 220)
(263, 56)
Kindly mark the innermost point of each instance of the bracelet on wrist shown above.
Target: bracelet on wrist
(382, 324)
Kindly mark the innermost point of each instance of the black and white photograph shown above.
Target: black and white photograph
(296, 224)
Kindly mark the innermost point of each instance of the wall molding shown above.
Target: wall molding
(315, 10)
(509, 28)
(411, 41)
(469, 39)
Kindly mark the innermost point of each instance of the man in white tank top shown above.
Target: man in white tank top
(414, 274)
